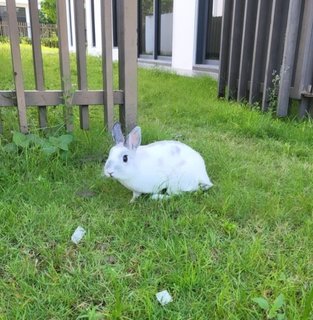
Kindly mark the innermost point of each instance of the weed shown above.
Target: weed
(274, 310)
(48, 146)
(273, 92)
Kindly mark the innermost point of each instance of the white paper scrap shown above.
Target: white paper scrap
(164, 297)
(78, 234)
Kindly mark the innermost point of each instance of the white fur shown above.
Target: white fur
(152, 168)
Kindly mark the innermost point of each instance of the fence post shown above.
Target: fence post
(17, 65)
(65, 65)
(107, 63)
(37, 57)
(81, 58)
(127, 54)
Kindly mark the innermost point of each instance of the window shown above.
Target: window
(165, 28)
(21, 15)
(20, 12)
(93, 24)
(3, 13)
(114, 9)
(155, 28)
(146, 27)
(209, 31)
(70, 21)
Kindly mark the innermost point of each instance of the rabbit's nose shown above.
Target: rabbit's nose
(110, 173)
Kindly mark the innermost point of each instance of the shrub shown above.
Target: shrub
(25, 40)
(52, 42)
(4, 39)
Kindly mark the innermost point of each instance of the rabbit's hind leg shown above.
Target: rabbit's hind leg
(159, 196)
(135, 196)
(205, 186)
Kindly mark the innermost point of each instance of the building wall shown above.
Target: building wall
(184, 33)
(184, 20)
(21, 4)
(91, 48)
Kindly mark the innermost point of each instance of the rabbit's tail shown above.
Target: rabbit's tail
(205, 183)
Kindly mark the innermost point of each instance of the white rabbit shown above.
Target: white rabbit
(164, 166)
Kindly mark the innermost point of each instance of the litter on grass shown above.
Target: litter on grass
(78, 234)
(164, 297)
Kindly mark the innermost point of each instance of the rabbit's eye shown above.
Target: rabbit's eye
(125, 158)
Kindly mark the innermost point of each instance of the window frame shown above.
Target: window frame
(157, 34)
(204, 8)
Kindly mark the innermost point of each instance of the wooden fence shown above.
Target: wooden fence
(267, 43)
(125, 97)
(46, 30)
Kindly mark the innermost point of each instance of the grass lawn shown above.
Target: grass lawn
(242, 250)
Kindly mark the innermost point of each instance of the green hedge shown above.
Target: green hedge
(52, 42)
(4, 39)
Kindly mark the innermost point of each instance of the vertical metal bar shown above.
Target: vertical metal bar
(81, 60)
(246, 49)
(288, 57)
(304, 60)
(258, 60)
(65, 64)
(235, 48)
(224, 47)
(139, 33)
(93, 23)
(107, 63)
(209, 29)
(304, 107)
(157, 18)
(114, 23)
(273, 56)
(203, 13)
(127, 18)
(17, 65)
(70, 24)
(37, 57)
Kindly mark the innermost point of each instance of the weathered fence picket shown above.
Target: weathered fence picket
(127, 56)
(107, 69)
(125, 96)
(37, 58)
(46, 30)
(17, 65)
(81, 59)
(65, 72)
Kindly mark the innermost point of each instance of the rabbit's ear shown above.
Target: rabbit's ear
(117, 133)
(133, 140)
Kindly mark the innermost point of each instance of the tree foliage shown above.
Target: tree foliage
(48, 9)
(48, 12)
